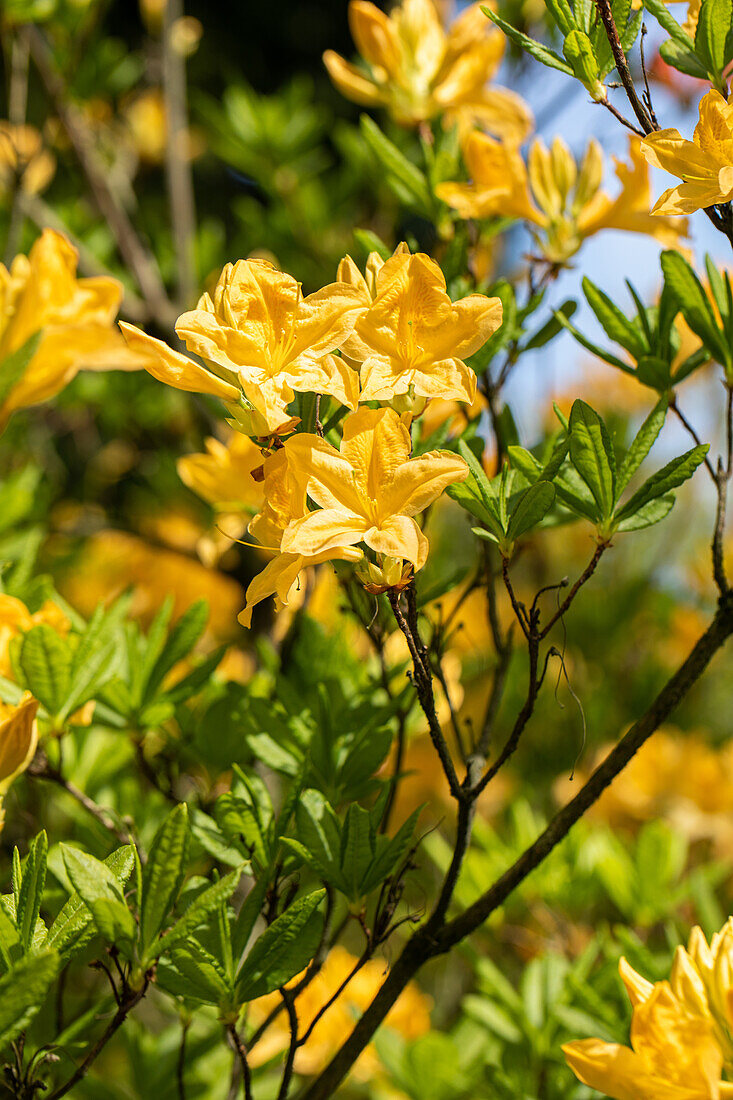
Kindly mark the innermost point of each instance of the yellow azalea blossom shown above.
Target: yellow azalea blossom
(409, 1017)
(15, 619)
(370, 491)
(562, 200)
(18, 742)
(223, 476)
(412, 338)
(418, 71)
(705, 164)
(76, 317)
(673, 1054)
(285, 500)
(24, 159)
(262, 340)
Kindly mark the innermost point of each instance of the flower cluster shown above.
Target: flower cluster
(390, 336)
(418, 70)
(681, 1030)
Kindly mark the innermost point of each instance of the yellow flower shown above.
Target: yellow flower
(223, 476)
(417, 71)
(24, 158)
(673, 1054)
(285, 499)
(412, 338)
(561, 199)
(76, 316)
(705, 164)
(261, 340)
(409, 1017)
(18, 742)
(370, 491)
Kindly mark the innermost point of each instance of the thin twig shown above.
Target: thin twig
(17, 107)
(178, 157)
(289, 1003)
(241, 1053)
(622, 65)
(140, 260)
(41, 769)
(181, 1060)
(423, 682)
(621, 118)
(585, 576)
(128, 1000)
(693, 434)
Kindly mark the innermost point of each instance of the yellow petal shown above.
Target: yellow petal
(175, 369)
(637, 987)
(18, 739)
(374, 35)
(278, 577)
(329, 476)
(351, 82)
(375, 443)
(419, 482)
(223, 476)
(668, 150)
(399, 537)
(324, 530)
(609, 1067)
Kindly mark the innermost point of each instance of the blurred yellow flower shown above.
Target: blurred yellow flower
(223, 476)
(705, 164)
(412, 338)
(417, 71)
(673, 1054)
(371, 490)
(285, 500)
(410, 1016)
(561, 199)
(24, 159)
(147, 125)
(18, 742)
(112, 561)
(261, 340)
(15, 618)
(76, 318)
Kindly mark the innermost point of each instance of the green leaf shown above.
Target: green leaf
(23, 990)
(650, 513)
(100, 890)
(615, 324)
(31, 890)
(72, 926)
(534, 49)
(562, 13)
(669, 477)
(45, 661)
(592, 455)
(487, 493)
(164, 873)
(14, 366)
(713, 27)
(642, 444)
(198, 912)
(283, 949)
(181, 641)
(668, 22)
(532, 507)
(550, 330)
(606, 356)
(195, 973)
(682, 59)
(694, 304)
(318, 829)
(578, 50)
(357, 848)
(410, 179)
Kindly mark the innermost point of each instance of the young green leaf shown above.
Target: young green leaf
(694, 304)
(535, 49)
(197, 913)
(164, 873)
(615, 323)
(101, 891)
(31, 890)
(45, 661)
(73, 926)
(23, 990)
(669, 477)
(531, 508)
(642, 444)
(410, 180)
(283, 949)
(592, 455)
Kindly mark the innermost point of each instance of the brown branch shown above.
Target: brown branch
(427, 942)
(621, 118)
(585, 576)
(622, 65)
(423, 682)
(41, 769)
(241, 1052)
(140, 261)
(128, 1000)
(178, 157)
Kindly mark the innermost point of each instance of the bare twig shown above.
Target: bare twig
(139, 259)
(240, 1051)
(178, 157)
(622, 66)
(41, 769)
(585, 576)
